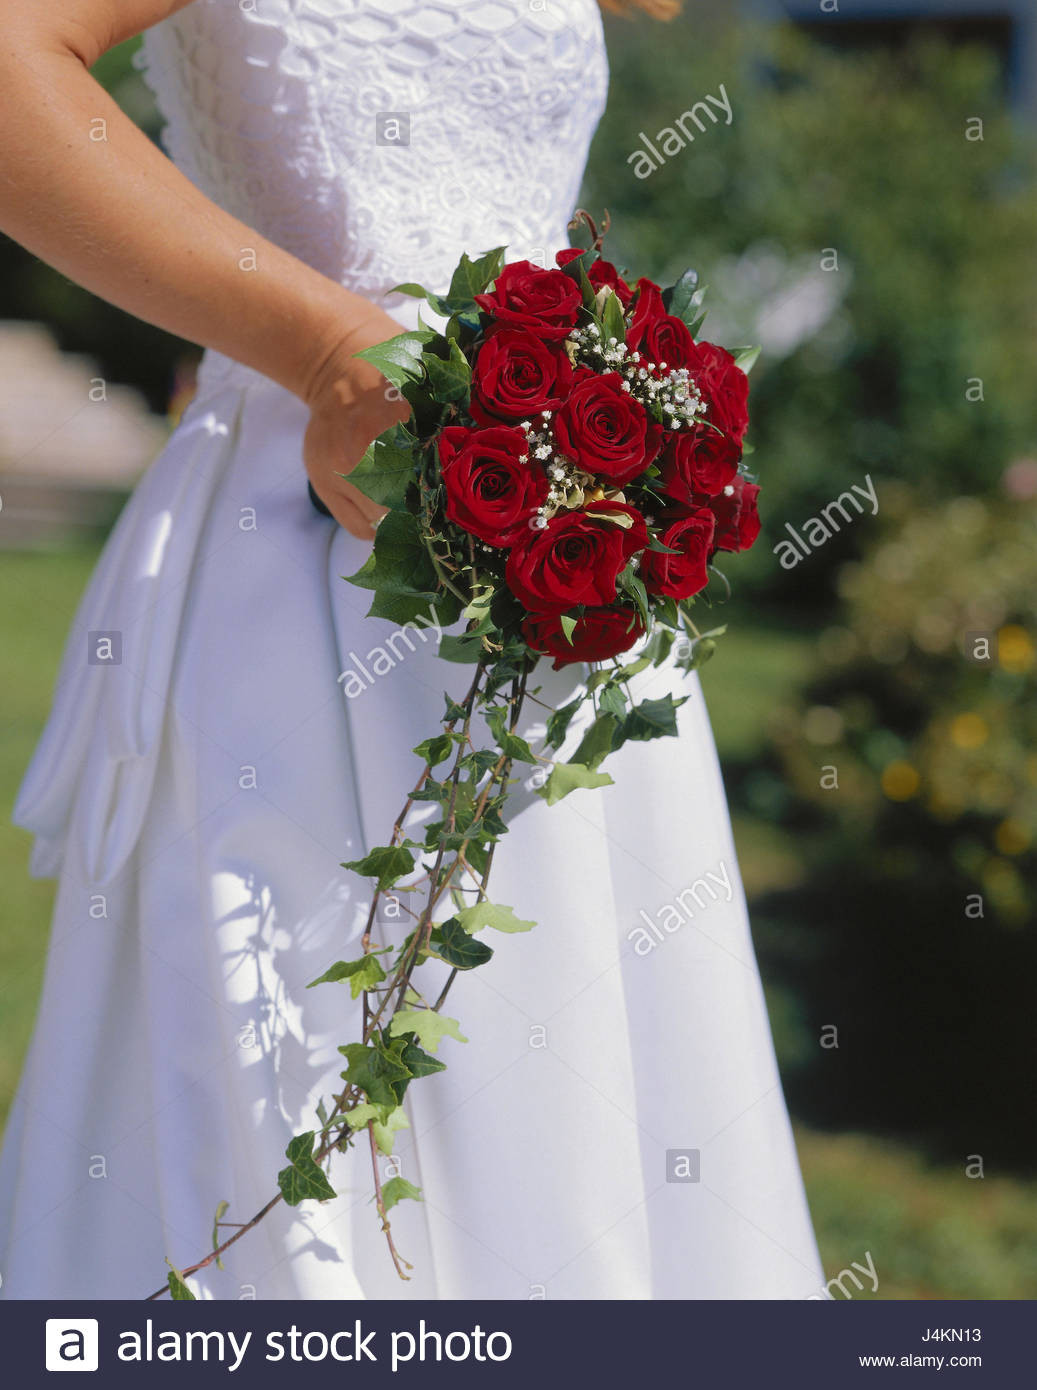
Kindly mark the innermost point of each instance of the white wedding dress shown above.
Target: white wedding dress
(196, 793)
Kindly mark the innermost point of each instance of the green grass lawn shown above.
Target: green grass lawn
(931, 1232)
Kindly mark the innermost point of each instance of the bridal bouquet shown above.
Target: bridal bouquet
(571, 466)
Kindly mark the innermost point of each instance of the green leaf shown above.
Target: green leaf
(596, 743)
(613, 701)
(495, 915)
(629, 583)
(303, 1179)
(472, 277)
(409, 287)
(701, 653)
(570, 777)
(450, 380)
(435, 750)
(462, 648)
(220, 1211)
(361, 1115)
(177, 1288)
(388, 467)
(577, 269)
(568, 626)
(399, 359)
(362, 974)
(400, 571)
(396, 1190)
(745, 358)
(653, 718)
(613, 324)
(387, 863)
(558, 723)
(385, 1131)
(681, 299)
(428, 1026)
(454, 945)
(380, 1073)
(417, 1062)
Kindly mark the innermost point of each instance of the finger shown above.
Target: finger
(351, 518)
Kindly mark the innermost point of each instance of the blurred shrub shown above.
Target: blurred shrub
(908, 775)
(866, 368)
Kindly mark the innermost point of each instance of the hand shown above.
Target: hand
(351, 403)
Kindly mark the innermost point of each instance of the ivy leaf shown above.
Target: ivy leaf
(559, 722)
(428, 1026)
(385, 1131)
(596, 743)
(495, 915)
(361, 1115)
(303, 1179)
(417, 1062)
(362, 974)
(568, 626)
(400, 571)
(701, 653)
(220, 1211)
(435, 750)
(450, 380)
(613, 701)
(681, 299)
(454, 945)
(387, 863)
(380, 1073)
(569, 777)
(178, 1289)
(396, 1190)
(652, 719)
(388, 467)
(463, 648)
(399, 359)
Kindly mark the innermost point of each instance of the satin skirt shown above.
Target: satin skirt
(614, 1127)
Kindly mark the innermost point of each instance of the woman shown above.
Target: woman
(615, 1127)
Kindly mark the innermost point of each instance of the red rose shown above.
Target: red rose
(599, 634)
(516, 375)
(575, 559)
(489, 492)
(657, 335)
(526, 296)
(681, 575)
(696, 462)
(724, 385)
(601, 273)
(738, 523)
(604, 430)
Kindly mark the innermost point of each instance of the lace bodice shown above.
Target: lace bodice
(377, 139)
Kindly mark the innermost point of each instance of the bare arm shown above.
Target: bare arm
(119, 218)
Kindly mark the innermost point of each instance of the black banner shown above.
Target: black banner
(505, 1344)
